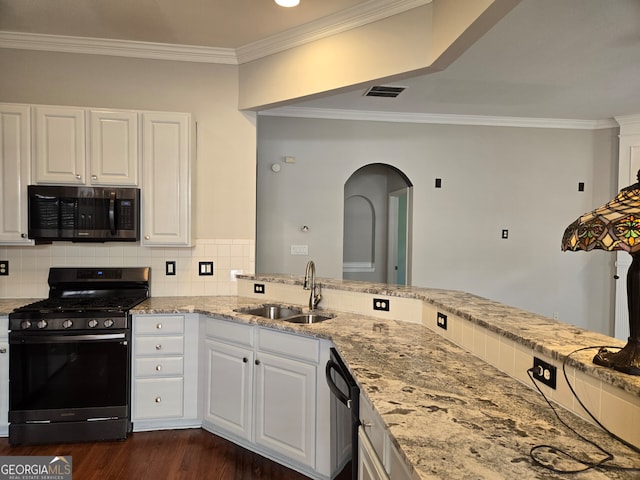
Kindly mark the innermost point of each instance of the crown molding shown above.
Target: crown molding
(442, 119)
(347, 19)
(339, 22)
(119, 48)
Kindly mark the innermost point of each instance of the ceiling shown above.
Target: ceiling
(570, 59)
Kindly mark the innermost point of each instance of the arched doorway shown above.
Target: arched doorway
(377, 225)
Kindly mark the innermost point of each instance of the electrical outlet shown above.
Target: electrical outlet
(258, 288)
(170, 267)
(441, 321)
(381, 304)
(505, 233)
(544, 372)
(205, 268)
(4, 267)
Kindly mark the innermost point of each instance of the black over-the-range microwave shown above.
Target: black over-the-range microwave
(83, 214)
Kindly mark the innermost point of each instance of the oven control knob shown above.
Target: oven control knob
(25, 324)
(67, 323)
(93, 323)
(108, 323)
(42, 324)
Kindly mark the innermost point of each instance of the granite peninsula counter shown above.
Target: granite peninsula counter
(448, 412)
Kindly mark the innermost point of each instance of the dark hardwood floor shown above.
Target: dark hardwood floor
(167, 454)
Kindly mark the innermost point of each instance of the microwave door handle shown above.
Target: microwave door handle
(112, 212)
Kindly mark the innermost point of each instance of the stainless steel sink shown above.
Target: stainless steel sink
(272, 312)
(285, 313)
(308, 318)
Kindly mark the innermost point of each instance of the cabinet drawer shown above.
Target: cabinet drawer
(294, 346)
(159, 345)
(158, 398)
(158, 324)
(159, 366)
(230, 331)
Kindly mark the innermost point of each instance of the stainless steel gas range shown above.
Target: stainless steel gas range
(70, 358)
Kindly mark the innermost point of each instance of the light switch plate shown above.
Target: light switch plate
(299, 249)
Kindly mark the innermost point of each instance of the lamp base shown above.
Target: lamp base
(626, 360)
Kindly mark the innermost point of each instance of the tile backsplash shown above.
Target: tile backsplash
(29, 265)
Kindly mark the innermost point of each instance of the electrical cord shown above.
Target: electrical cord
(588, 464)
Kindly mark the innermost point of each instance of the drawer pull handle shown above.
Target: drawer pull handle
(158, 399)
(158, 368)
(158, 347)
(159, 326)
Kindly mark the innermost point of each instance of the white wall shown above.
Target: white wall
(493, 178)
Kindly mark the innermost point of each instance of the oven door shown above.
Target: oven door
(68, 376)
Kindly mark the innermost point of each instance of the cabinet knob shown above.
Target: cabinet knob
(365, 424)
(23, 235)
(78, 176)
(158, 368)
(159, 326)
(158, 399)
(158, 347)
(94, 177)
(3, 350)
(257, 362)
(245, 359)
(147, 237)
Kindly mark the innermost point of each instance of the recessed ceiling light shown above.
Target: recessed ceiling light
(287, 3)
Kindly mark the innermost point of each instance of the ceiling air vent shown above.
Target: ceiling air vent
(384, 91)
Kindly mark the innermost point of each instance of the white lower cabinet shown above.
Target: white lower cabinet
(265, 391)
(378, 458)
(165, 372)
(369, 464)
(4, 377)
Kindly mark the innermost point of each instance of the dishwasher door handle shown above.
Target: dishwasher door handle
(331, 365)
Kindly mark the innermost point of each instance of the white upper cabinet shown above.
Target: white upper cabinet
(166, 193)
(62, 141)
(15, 165)
(60, 148)
(114, 147)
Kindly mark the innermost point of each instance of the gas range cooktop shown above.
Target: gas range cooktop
(85, 298)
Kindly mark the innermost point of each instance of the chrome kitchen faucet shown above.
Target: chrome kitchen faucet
(310, 284)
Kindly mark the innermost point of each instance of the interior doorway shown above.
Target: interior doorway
(377, 229)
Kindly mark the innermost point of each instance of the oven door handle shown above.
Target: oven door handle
(331, 365)
(96, 337)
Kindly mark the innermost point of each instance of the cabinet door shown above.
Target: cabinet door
(166, 195)
(229, 392)
(60, 146)
(286, 407)
(15, 165)
(369, 465)
(114, 147)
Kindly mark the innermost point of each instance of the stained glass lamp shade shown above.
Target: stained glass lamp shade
(615, 226)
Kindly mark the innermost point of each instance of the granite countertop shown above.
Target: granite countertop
(449, 413)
